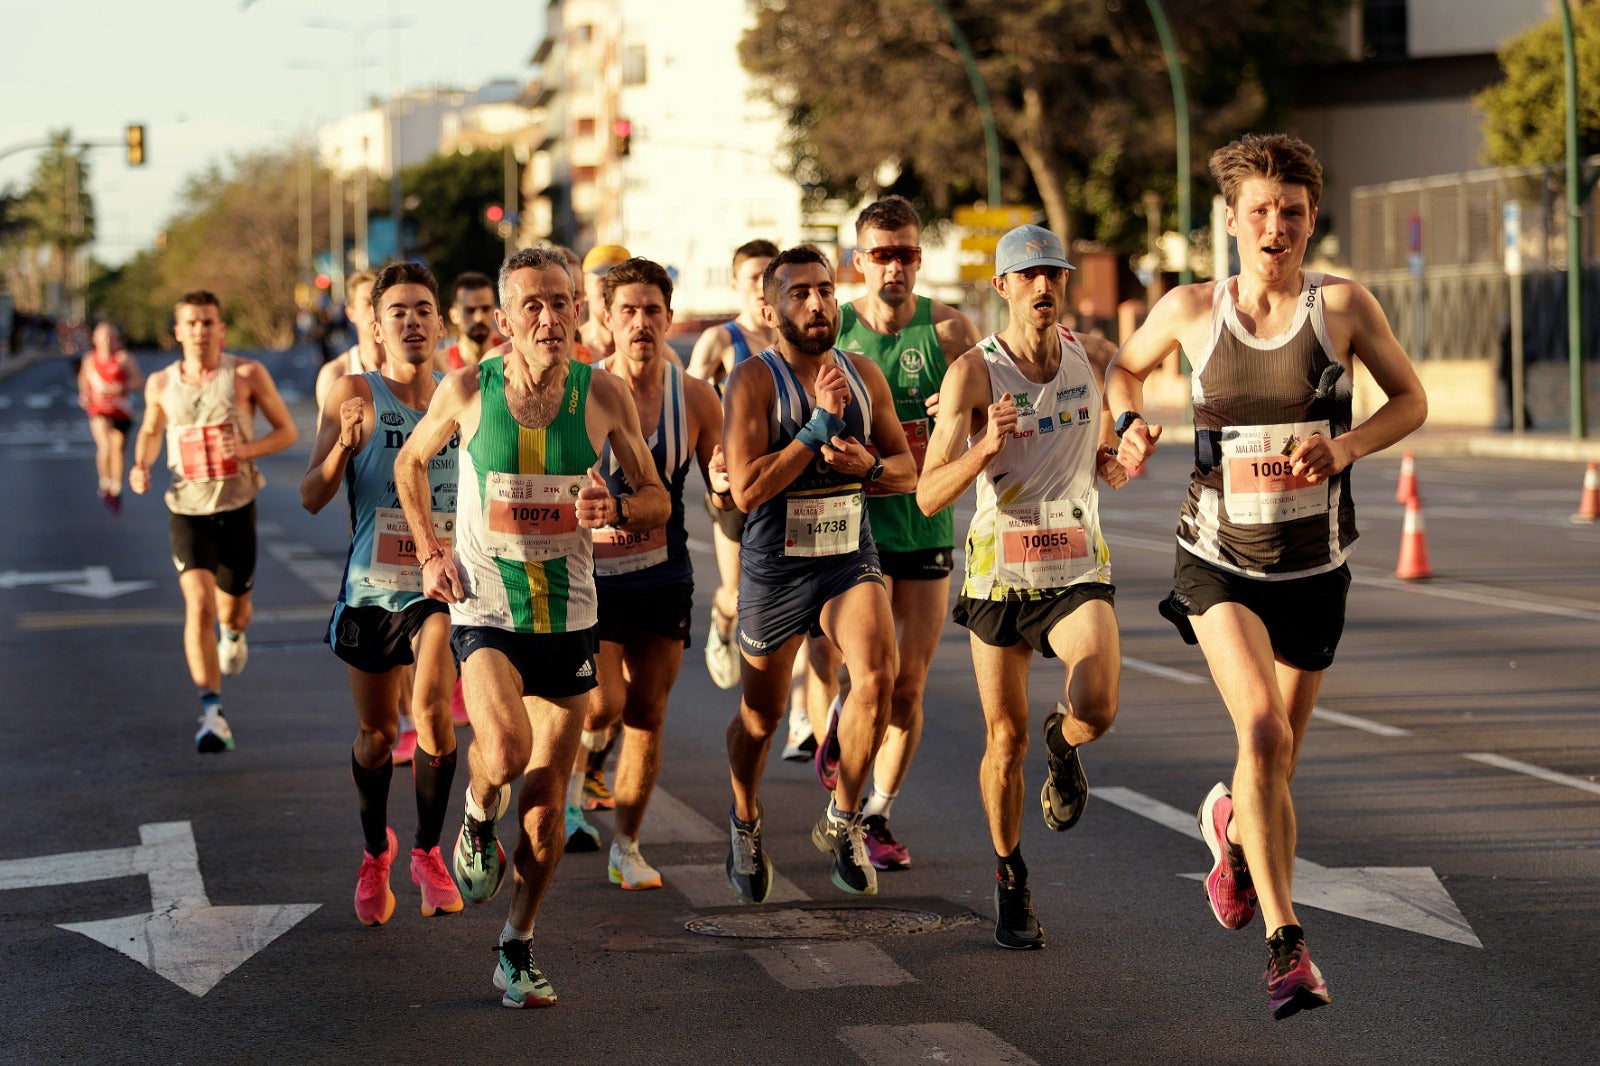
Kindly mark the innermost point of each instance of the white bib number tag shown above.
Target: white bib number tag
(1259, 486)
(394, 550)
(531, 517)
(1047, 546)
(619, 551)
(823, 525)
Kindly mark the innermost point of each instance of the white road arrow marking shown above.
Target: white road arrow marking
(1404, 897)
(94, 582)
(185, 939)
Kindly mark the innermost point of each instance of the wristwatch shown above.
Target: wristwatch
(1124, 422)
(622, 510)
(876, 471)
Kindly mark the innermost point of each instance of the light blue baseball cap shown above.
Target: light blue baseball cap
(1029, 246)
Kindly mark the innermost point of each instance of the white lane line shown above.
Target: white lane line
(1377, 728)
(1485, 597)
(669, 821)
(947, 1043)
(707, 886)
(852, 964)
(1183, 677)
(1490, 759)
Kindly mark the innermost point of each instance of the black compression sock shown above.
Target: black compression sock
(1010, 869)
(372, 792)
(433, 774)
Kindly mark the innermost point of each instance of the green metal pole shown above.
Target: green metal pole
(1580, 422)
(991, 136)
(1180, 113)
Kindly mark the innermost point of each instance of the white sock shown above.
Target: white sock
(511, 932)
(622, 842)
(477, 813)
(879, 802)
(575, 789)
(230, 634)
(407, 725)
(594, 739)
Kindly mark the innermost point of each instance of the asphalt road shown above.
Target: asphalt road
(1449, 803)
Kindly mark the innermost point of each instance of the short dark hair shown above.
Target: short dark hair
(533, 259)
(403, 274)
(1274, 156)
(637, 271)
(889, 213)
(469, 279)
(805, 253)
(199, 298)
(760, 248)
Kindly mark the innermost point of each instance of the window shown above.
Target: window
(633, 65)
(1383, 29)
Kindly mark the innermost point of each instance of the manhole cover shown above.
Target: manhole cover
(821, 923)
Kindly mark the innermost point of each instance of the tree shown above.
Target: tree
(46, 224)
(1524, 115)
(1079, 90)
(452, 193)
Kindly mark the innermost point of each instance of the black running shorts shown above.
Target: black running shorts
(1304, 616)
(376, 640)
(553, 666)
(661, 611)
(1003, 623)
(926, 564)
(223, 543)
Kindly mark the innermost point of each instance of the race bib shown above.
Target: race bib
(822, 525)
(1046, 546)
(207, 453)
(916, 432)
(620, 551)
(394, 551)
(530, 517)
(1259, 486)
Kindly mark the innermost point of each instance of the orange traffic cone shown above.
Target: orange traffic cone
(1407, 491)
(1413, 545)
(1589, 502)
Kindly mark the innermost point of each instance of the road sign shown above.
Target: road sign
(1513, 228)
(977, 271)
(980, 242)
(999, 217)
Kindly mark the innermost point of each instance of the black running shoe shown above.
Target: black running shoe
(846, 840)
(1015, 927)
(749, 869)
(1066, 790)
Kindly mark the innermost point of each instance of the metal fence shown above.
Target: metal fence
(1432, 250)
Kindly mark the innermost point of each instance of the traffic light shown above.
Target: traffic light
(621, 137)
(494, 213)
(136, 145)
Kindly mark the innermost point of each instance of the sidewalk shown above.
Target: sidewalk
(1441, 439)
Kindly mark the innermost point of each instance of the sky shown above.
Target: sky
(209, 78)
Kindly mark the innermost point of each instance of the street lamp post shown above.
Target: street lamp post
(1180, 113)
(991, 135)
(1575, 373)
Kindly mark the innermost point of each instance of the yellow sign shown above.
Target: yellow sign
(980, 242)
(977, 271)
(999, 217)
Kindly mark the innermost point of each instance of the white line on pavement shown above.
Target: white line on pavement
(1490, 759)
(1183, 677)
(1378, 728)
(851, 964)
(707, 886)
(947, 1043)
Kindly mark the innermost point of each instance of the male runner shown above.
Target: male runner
(912, 339)
(519, 577)
(382, 624)
(644, 580)
(362, 356)
(594, 335)
(472, 315)
(107, 379)
(797, 421)
(1264, 533)
(205, 407)
(1021, 415)
(717, 351)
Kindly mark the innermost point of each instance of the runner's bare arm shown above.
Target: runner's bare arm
(955, 331)
(755, 476)
(888, 436)
(263, 393)
(1160, 335)
(708, 361)
(454, 408)
(705, 424)
(1110, 469)
(147, 446)
(950, 467)
(343, 429)
(131, 366)
(649, 506)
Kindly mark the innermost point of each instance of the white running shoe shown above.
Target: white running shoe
(802, 743)
(628, 868)
(232, 654)
(722, 658)
(214, 736)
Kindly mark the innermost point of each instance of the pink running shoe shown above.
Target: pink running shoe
(885, 852)
(1228, 887)
(439, 892)
(405, 747)
(458, 706)
(1294, 983)
(374, 900)
(827, 759)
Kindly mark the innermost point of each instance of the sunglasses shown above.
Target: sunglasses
(894, 253)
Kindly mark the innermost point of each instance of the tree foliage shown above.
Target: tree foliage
(1079, 89)
(451, 193)
(1524, 115)
(43, 224)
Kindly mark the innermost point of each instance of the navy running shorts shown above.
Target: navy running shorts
(787, 601)
(660, 611)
